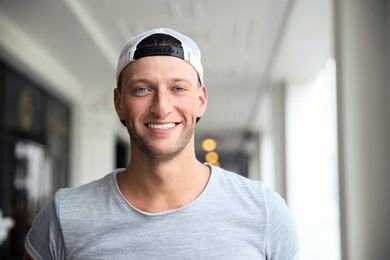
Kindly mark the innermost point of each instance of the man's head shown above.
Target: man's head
(160, 92)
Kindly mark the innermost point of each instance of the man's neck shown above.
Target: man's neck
(158, 186)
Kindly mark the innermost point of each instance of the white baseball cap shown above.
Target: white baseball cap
(190, 51)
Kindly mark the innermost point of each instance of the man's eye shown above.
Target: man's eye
(179, 89)
(141, 90)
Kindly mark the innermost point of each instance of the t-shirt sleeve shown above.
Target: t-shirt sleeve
(281, 234)
(44, 240)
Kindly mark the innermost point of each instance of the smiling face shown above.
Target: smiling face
(159, 100)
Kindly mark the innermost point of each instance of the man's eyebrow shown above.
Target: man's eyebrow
(140, 80)
(180, 80)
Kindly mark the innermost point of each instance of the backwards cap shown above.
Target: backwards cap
(190, 51)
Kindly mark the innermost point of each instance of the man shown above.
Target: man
(165, 204)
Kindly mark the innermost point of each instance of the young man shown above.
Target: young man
(165, 204)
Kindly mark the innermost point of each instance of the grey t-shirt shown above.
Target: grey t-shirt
(233, 218)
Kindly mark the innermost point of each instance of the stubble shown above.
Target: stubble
(157, 155)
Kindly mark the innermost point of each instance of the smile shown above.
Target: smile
(161, 126)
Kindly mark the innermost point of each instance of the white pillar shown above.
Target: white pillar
(361, 41)
(93, 145)
(279, 130)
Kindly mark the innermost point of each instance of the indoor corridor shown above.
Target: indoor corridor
(298, 98)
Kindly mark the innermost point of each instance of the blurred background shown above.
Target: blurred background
(298, 98)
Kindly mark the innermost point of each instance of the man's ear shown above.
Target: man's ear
(202, 101)
(118, 104)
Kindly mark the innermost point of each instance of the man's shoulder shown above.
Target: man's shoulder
(235, 179)
(87, 193)
(240, 185)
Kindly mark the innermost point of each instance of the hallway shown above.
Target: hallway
(298, 98)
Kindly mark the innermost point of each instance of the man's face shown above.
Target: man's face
(160, 101)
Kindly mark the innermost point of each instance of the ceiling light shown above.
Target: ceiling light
(209, 144)
(212, 157)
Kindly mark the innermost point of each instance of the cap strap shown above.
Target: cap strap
(159, 51)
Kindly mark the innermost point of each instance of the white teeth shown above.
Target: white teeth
(161, 127)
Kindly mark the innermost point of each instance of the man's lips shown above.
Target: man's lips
(161, 126)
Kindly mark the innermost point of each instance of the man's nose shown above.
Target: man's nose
(162, 105)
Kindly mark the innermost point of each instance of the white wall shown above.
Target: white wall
(94, 136)
(311, 164)
(362, 56)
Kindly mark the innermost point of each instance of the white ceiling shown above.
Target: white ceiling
(71, 46)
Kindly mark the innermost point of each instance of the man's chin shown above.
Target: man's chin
(161, 149)
(161, 155)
